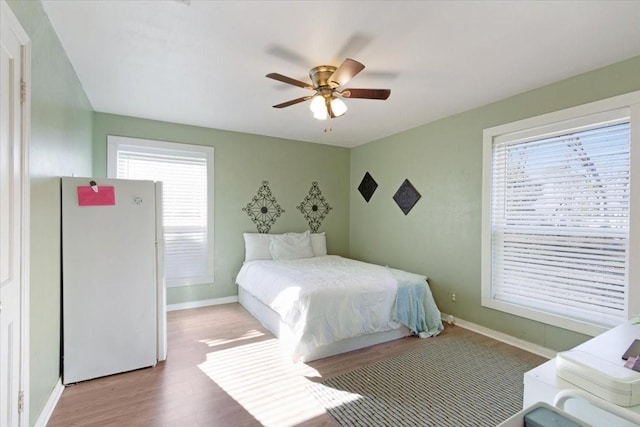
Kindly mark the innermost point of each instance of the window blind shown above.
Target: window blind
(184, 178)
(560, 222)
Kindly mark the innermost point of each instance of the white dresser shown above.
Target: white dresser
(541, 384)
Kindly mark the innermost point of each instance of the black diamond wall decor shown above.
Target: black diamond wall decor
(314, 207)
(367, 186)
(406, 197)
(263, 209)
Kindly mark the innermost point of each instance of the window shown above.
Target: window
(186, 173)
(558, 231)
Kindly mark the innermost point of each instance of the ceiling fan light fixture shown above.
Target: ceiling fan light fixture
(338, 107)
(321, 115)
(318, 107)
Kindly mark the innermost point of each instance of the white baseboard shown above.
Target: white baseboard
(201, 303)
(499, 336)
(49, 407)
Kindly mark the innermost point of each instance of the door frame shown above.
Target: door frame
(25, 195)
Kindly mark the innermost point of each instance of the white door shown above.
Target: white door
(14, 193)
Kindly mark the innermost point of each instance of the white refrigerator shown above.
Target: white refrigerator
(113, 293)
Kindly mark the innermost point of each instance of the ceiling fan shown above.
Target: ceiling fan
(326, 80)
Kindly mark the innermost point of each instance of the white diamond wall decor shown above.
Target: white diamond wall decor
(314, 207)
(406, 197)
(263, 209)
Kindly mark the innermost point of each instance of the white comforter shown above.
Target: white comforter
(324, 299)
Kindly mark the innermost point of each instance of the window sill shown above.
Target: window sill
(546, 318)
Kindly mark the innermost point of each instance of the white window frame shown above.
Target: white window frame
(538, 126)
(115, 143)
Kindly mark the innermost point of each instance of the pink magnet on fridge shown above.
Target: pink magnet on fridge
(87, 196)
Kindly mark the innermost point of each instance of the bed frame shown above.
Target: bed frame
(271, 320)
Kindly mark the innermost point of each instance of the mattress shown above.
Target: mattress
(323, 300)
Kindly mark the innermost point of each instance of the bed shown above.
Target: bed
(319, 305)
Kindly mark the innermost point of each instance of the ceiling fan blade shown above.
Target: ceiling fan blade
(354, 45)
(289, 80)
(291, 56)
(366, 93)
(346, 71)
(292, 102)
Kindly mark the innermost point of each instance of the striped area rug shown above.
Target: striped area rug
(451, 382)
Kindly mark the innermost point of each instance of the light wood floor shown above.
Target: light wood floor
(224, 369)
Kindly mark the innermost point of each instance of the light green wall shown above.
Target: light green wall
(441, 235)
(242, 162)
(61, 120)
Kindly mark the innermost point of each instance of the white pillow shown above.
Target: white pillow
(256, 246)
(291, 246)
(319, 244)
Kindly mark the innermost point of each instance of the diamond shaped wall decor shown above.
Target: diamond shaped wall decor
(367, 186)
(314, 207)
(406, 196)
(263, 209)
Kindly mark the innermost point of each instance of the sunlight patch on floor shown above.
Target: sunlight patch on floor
(268, 385)
(342, 397)
(247, 336)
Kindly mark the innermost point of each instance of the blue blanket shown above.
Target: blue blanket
(414, 306)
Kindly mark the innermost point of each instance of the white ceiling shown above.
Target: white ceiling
(205, 63)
